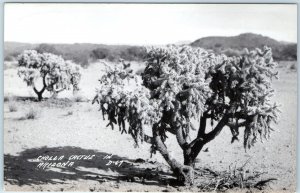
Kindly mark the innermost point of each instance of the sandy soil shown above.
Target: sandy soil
(65, 127)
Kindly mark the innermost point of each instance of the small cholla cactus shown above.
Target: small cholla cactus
(56, 73)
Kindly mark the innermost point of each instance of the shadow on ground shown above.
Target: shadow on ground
(22, 170)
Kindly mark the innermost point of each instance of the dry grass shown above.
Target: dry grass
(293, 66)
(79, 98)
(290, 65)
(10, 64)
(32, 114)
(57, 103)
(8, 98)
(235, 177)
(12, 107)
(70, 113)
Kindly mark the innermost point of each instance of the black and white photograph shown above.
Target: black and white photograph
(150, 97)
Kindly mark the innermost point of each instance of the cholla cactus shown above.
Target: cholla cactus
(56, 73)
(242, 89)
(181, 84)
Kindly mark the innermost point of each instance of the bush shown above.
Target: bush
(12, 107)
(70, 113)
(47, 48)
(100, 53)
(10, 65)
(32, 114)
(6, 98)
(9, 58)
(293, 66)
(115, 53)
(289, 52)
(80, 98)
(57, 103)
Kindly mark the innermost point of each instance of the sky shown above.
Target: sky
(144, 24)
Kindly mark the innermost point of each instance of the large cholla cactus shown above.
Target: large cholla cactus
(56, 73)
(181, 85)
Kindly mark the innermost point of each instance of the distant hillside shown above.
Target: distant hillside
(14, 48)
(182, 42)
(82, 53)
(246, 40)
(232, 45)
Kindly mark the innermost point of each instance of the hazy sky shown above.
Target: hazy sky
(144, 23)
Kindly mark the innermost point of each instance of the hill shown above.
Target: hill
(232, 45)
(82, 53)
(85, 53)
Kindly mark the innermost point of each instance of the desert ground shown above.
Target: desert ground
(71, 125)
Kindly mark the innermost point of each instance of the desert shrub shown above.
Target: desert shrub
(70, 113)
(9, 98)
(234, 177)
(293, 66)
(100, 53)
(12, 107)
(134, 53)
(115, 53)
(111, 58)
(57, 103)
(6, 98)
(289, 52)
(80, 58)
(9, 58)
(33, 113)
(181, 85)
(79, 98)
(218, 45)
(47, 48)
(56, 73)
(10, 65)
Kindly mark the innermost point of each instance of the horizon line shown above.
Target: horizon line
(129, 44)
